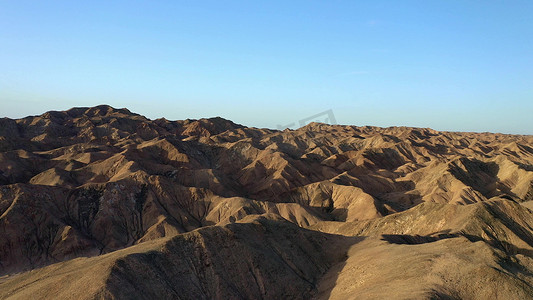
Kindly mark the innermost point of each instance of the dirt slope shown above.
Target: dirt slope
(249, 260)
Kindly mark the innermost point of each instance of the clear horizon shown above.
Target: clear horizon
(451, 66)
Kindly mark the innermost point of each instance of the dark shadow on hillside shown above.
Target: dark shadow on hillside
(326, 287)
(481, 176)
(406, 239)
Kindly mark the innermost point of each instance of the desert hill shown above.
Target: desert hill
(109, 204)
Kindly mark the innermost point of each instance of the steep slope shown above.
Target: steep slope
(267, 257)
(249, 260)
(501, 223)
(452, 268)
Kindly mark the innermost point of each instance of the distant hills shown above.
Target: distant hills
(104, 203)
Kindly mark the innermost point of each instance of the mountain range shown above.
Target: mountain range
(103, 203)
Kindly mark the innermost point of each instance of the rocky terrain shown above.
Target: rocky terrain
(104, 203)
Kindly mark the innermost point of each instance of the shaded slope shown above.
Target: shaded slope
(262, 258)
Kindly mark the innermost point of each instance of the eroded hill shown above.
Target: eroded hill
(410, 212)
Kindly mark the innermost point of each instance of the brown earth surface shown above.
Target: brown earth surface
(104, 203)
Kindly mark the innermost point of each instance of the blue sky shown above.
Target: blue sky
(448, 65)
